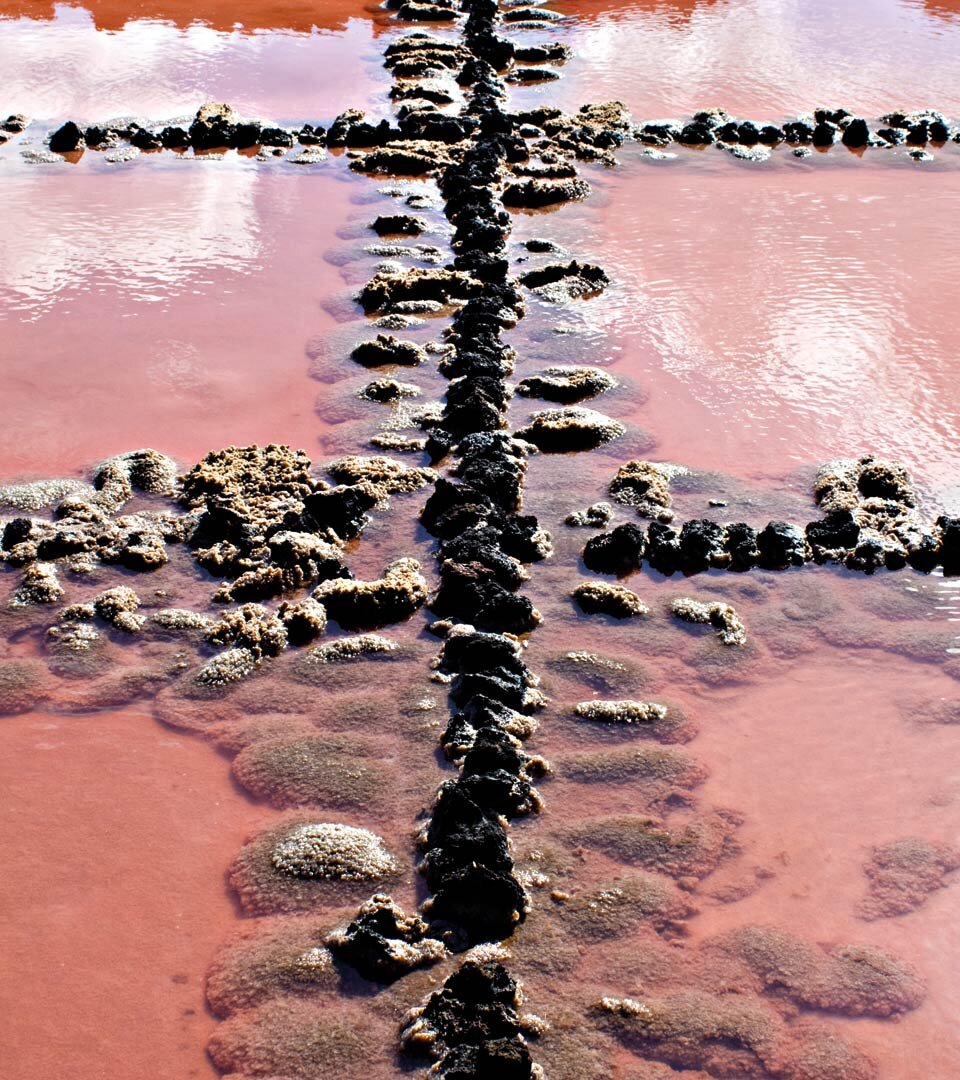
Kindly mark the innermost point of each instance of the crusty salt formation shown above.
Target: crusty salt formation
(572, 428)
(351, 648)
(366, 604)
(118, 607)
(648, 719)
(227, 667)
(722, 617)
(250, 627)
(291, 867)
(566, 383)
(646, 486)
(600, 597)
(340, 852)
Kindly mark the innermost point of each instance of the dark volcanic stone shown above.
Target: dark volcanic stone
(66, 139)
(781, 545)
(619, 551)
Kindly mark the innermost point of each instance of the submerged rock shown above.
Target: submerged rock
(559, 282)
(385, 290)
(902, 874)
(386, 350)
(595, 516)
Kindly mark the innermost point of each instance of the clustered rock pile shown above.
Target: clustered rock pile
(821, 130)
(871, 521)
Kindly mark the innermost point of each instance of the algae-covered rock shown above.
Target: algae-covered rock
(901, 875)
(320, 770)
(24, 684)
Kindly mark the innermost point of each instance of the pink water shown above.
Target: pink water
(761, 320)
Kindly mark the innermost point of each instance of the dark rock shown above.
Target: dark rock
(273, 136)
(696, 135)
(949, 528)
(145, 140)
(824, 134)
(383, 943)
(174, 138)
(702, 545)
(798, 132)
(771, 135)
(663, 548)
(741, 544)
(309, 135)
(246, 135)
(396, 224)
(66, 139)
(833, 536)
(541, 54)
(856, 134)
(619, 551)
(342, 509)
(388, 350)
(781, 545)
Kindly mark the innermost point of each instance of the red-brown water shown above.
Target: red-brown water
(762, 320)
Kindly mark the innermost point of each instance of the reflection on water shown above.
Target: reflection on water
(249, 14)
(153, 69)
(780, 318)
(758, 58)
(167, 306)
(156, 237)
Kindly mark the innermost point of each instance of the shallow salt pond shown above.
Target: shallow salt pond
(762, 319)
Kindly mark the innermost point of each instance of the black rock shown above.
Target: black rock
(856, 134)
(619, 551)
(824, 134)
(663, 548)
(781, 545)
(836, 533)
(702, 545)
(174, 138)
(67, 139)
